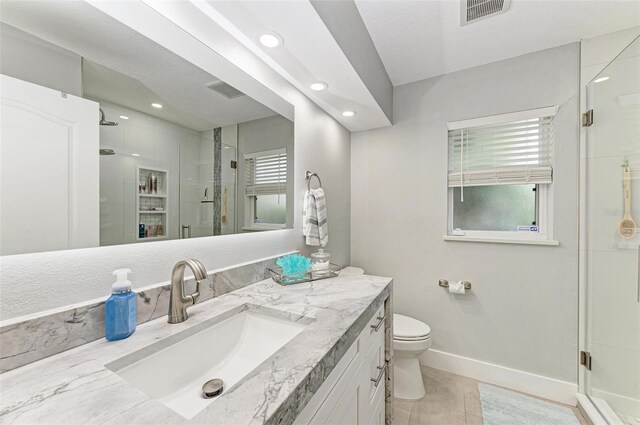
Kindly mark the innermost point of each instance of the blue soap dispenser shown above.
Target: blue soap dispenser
(120, 308)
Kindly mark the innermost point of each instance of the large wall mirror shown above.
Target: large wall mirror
(109, 138)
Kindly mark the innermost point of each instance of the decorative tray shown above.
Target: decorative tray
(307, 276)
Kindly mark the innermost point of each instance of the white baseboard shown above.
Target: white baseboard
(526, 382)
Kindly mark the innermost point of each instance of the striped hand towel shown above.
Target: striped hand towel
(314, 218)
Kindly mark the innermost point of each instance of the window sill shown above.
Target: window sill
(501, 240)
(261, 229)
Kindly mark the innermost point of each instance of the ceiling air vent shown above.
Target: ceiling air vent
(225, 89)
(475, 10)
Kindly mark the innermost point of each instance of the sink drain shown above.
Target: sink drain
(212, 388)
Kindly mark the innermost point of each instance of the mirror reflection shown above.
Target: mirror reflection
(124, 141)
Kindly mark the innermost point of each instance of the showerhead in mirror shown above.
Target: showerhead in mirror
(105, 122)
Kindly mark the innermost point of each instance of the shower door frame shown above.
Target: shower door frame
(597, 413)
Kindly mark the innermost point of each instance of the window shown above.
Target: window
(266, 188)
(500, 174)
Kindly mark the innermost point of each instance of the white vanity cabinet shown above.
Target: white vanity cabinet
(353, 394)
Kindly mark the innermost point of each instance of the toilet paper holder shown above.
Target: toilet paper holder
(445, 284)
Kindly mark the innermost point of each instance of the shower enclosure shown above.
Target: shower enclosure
(207, 185)
(610, 375)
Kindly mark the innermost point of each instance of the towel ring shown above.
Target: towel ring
(309, 176)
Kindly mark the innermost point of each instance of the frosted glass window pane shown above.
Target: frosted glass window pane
(497, 208)
(271, 209)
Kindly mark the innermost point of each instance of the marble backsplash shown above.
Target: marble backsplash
(30, 340)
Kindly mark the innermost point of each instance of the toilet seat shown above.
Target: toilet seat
(409, 329)
(395, 338)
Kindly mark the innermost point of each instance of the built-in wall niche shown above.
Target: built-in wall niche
(126, 115)
(152, 204)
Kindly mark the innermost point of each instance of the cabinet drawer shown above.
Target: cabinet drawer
(374, 329)
(372, 377)
(376, 366)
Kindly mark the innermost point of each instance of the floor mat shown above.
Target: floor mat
(505, 407)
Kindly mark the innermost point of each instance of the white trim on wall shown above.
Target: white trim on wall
(530, 383)
(504, 118)
(514, 240)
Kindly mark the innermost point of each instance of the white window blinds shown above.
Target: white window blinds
(266, 173)
(507, 149)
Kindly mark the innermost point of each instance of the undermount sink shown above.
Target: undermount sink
(226, 347)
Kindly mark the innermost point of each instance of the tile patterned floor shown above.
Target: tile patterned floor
(450, 400)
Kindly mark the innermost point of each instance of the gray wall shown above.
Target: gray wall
(522, 311)
(34, 60)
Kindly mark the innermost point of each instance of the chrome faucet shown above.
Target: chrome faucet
(178, 301)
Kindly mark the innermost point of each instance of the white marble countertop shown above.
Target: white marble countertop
(75, 387)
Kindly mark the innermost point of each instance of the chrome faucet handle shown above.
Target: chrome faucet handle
(199, 275)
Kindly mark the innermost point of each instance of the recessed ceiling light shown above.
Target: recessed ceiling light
(348, 113)
(270, 39)
(156, 105)
(601, 79)
(318, 86)
(124, 117)
(135, 154)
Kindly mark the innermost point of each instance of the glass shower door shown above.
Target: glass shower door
(196, 184)
(228, 190)
(612, 241)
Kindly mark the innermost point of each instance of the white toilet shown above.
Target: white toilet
(411, 338)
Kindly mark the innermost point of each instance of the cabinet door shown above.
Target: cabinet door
(347, 411)
(341, 395)
(378, 415)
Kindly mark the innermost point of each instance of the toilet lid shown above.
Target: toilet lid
(408, 328)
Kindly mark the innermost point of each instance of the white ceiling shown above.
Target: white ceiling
(415, 40)
(308, 53)
(422, 39)
(126, 68)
